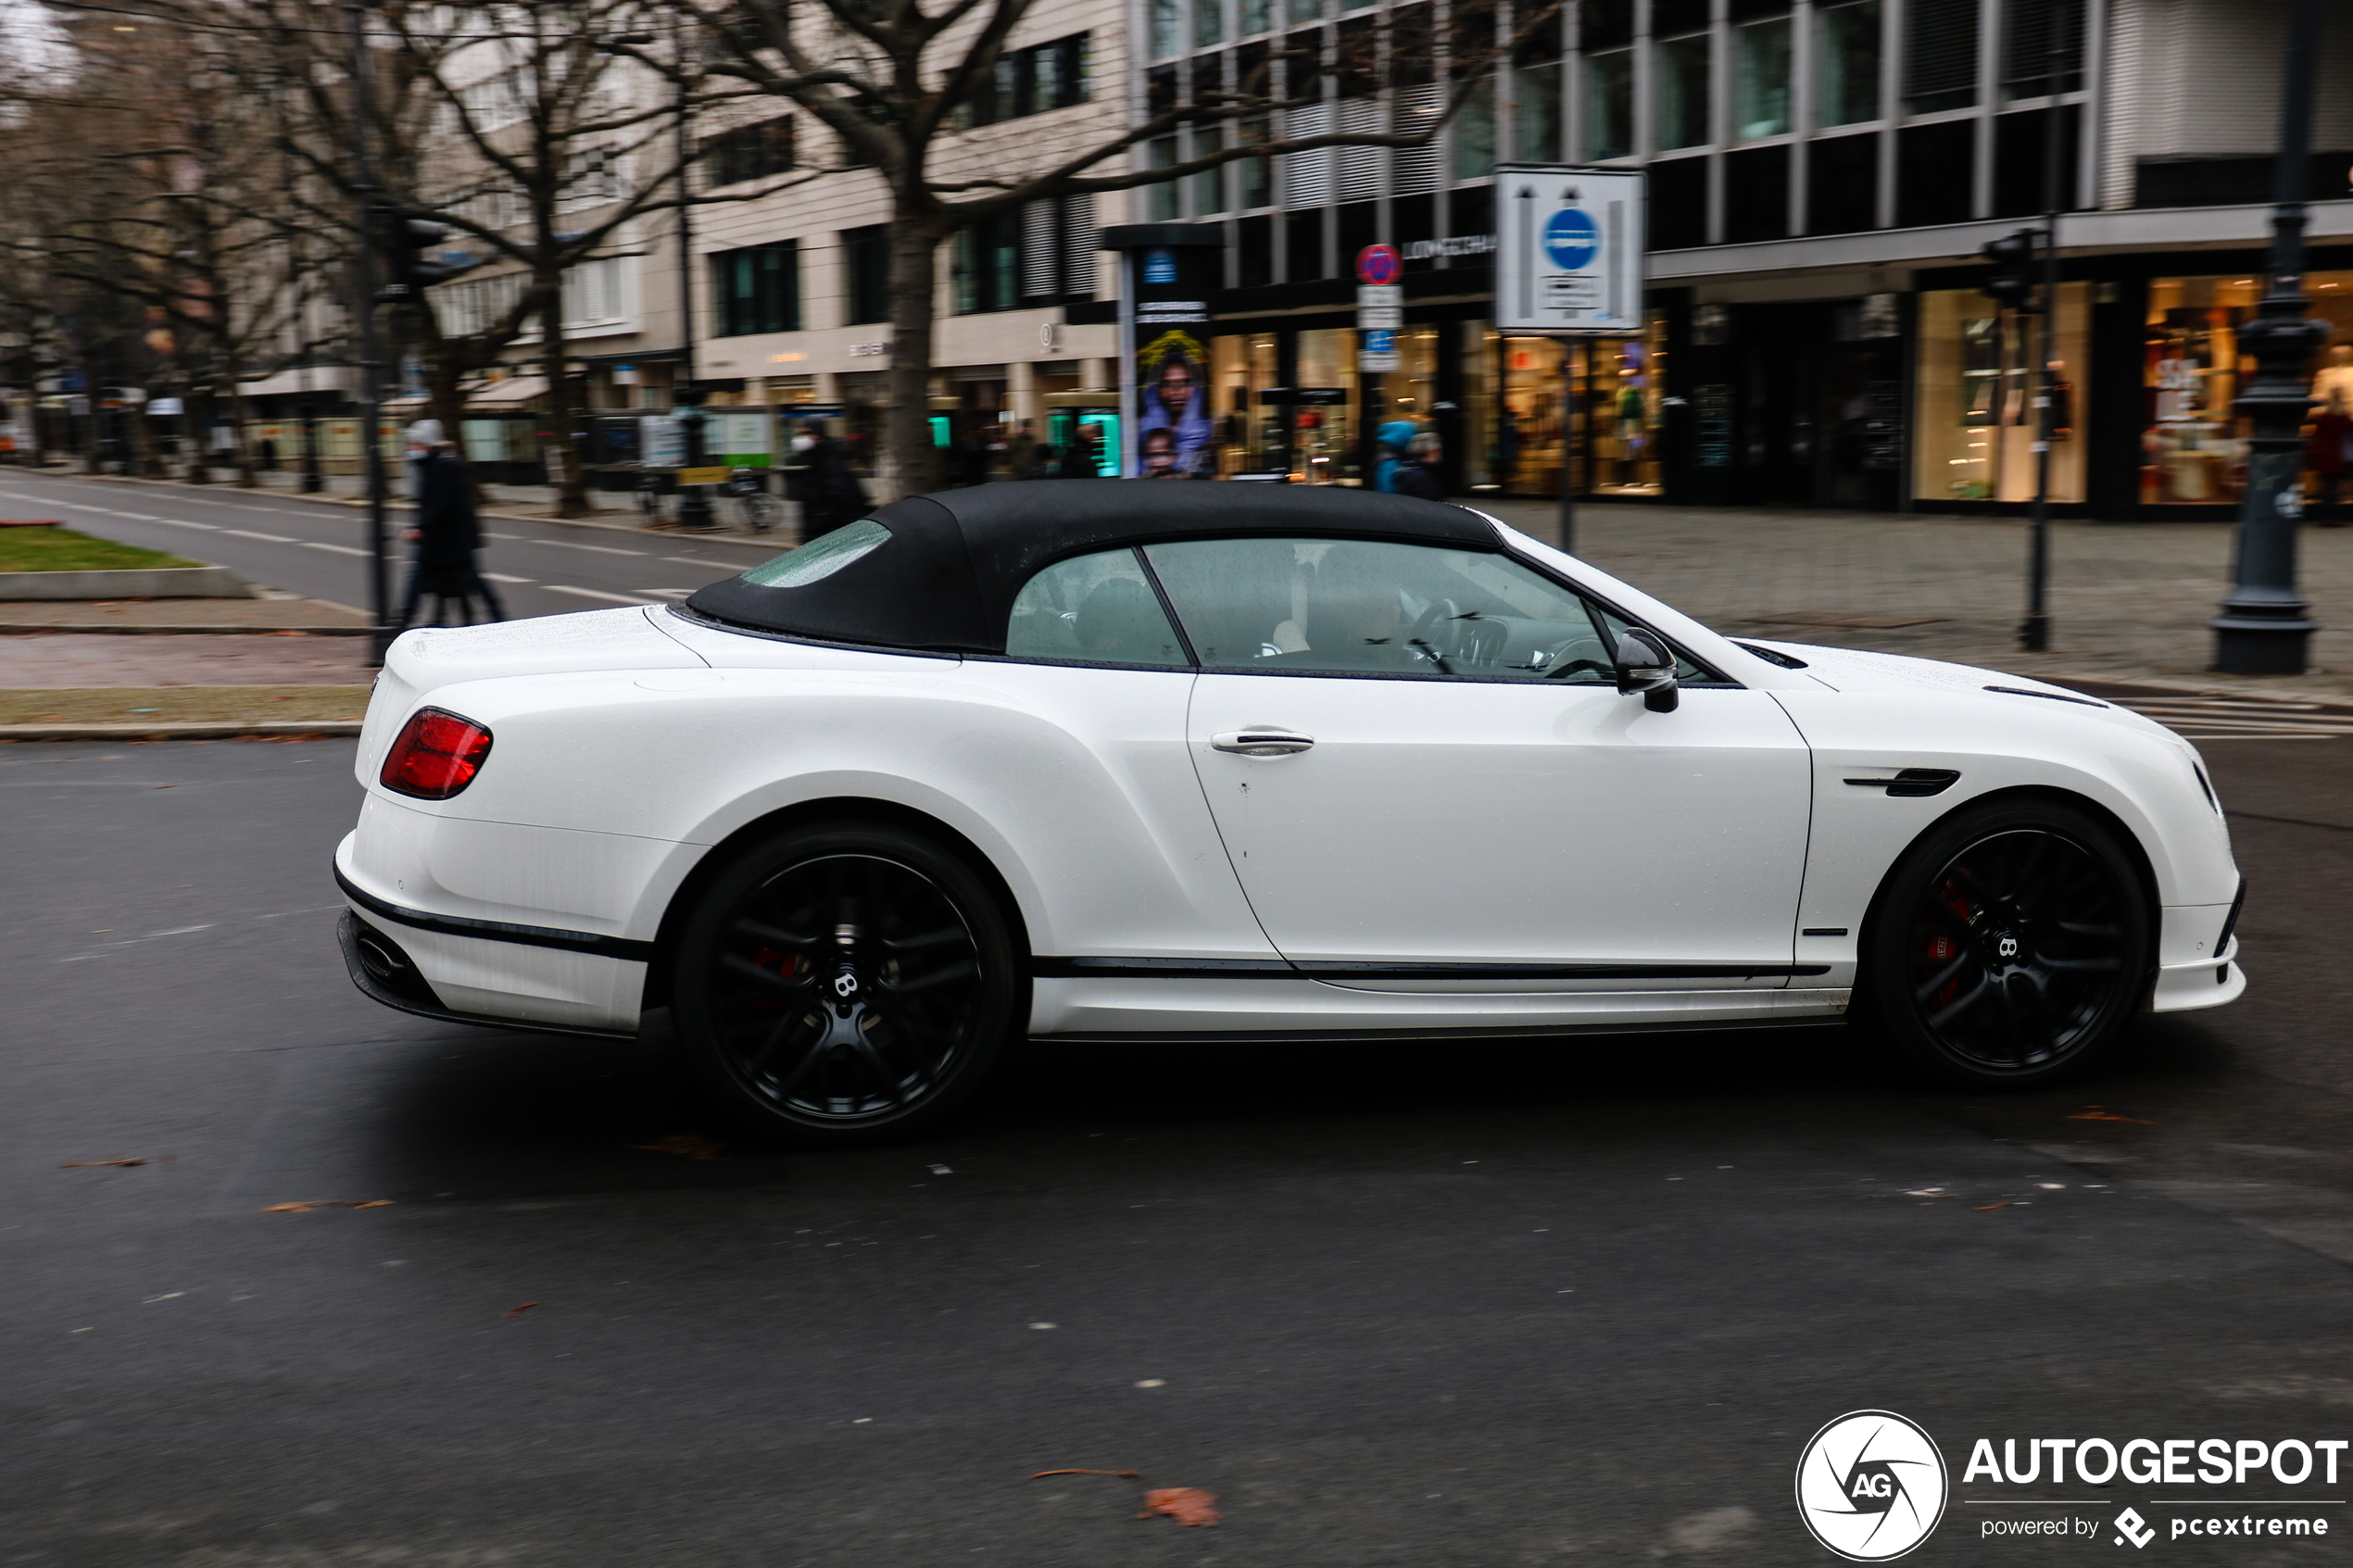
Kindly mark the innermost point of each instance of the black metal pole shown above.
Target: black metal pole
(2264, 629)
(2034, 634)
(1568, 448)
(694, 500)
(364, 320)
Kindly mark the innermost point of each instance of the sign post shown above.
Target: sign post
(1569, 264)
(1380, 310)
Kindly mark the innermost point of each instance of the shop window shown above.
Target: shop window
(1678, 206)
(1681, 76)
(756, 290)
(1249, 430)
(1623, 405)
(1761, 105)
(1975, 424)
(2193, 446)
(866, 257)
(1609, 104)
(2017, 159)
(2028, 30)
(1756, 195)
(1841, 184)
(1935, 168)
(1939, 55)
(1324, 432)
(1846, 56)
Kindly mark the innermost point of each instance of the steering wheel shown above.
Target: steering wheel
(1576, 665)
(1418, 636)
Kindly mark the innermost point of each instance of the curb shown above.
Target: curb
(231, 729)
(203, 580)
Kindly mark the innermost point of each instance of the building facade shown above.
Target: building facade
(1821, 176)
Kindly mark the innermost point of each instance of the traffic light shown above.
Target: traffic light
(2013, 259)
(412, 258)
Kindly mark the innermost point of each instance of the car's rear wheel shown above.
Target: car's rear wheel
(845, 983)
(2007, 947)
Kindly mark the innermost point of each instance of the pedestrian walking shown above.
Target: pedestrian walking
(1393, 437)
(1083, 457)
(831, 496)
(446, 534)
(1020, 451)
(2328, 452)
(1417, 474)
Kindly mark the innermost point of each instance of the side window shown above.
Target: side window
(1355, 607)
(1095, 610)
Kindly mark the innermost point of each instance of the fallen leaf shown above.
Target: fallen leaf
(519, 1308)
(1123, 1474)
(307, 1205)
(1187, 1505)
(685, 1146)
(161, 786)
(2098, 1115)
(289, 1208)
(1984, 1207)
(85, 1164)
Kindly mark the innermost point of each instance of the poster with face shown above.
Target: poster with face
(1173, 407)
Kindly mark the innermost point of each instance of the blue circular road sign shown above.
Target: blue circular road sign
(1570, 240)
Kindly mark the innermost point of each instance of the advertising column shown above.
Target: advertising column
(1167, 273)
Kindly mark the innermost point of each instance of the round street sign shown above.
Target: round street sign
(1379, 264)
(1570, 240)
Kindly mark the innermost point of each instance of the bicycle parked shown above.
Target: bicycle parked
(755, 508)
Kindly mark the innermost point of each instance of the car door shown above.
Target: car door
(1418, 755)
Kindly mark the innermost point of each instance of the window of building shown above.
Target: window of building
(1474, 133)
(1209, 23)
(1058, 249)
(1846, 63)
(593, 293)
(749, 152)
(865, 260)
(1841, 184)
(1939, 55)
(1032, 81)
(1209, 185)
(1161, 201)
(756, 290)
(1609, 104)
(987, 267)
(1682, 77)
(1536, 119)
(2031, 30)
(1306, 10)
(1258, 16)
(1761, 106)
(1162, 16)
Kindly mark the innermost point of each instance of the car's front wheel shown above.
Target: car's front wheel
(2008, 947)
(845, 983)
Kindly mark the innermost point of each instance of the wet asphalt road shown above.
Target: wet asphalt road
(1401, 1305)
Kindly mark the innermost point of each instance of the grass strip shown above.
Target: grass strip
(61, 549)
(164, 705)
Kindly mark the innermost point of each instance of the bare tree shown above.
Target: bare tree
(898, 82)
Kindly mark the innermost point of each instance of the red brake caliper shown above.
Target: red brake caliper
(1943, 946)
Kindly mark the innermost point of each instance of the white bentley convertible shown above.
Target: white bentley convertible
(1104, 761)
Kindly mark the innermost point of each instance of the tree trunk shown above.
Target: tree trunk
(564, 395)
(199, 429)
(240, 451)
(909, 460)
(145, 461)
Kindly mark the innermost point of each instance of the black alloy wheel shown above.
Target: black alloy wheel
(2008, 947)
(846, 983)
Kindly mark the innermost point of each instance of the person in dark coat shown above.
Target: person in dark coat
(1416, 473)
(1083, 457)
(446, 534)
(831, 496)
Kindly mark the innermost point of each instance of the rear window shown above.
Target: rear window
(821, 557)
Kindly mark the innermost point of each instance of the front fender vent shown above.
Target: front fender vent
(1913, 783)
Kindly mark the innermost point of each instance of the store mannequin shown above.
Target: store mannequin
(2337, 376)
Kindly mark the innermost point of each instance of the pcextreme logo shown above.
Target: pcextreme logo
(1871, 1486)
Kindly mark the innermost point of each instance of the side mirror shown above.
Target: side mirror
(1645, 666)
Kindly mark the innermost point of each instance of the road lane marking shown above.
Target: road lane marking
(669, 593)
(265, 538)
(339, 549)
(600, 594)
(568, 545)
(502, 577)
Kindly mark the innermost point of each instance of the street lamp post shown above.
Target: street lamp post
(2263, 628)
(364, 304)
(2035, 632)
(694, 500)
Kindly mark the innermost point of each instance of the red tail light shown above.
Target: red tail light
(435, 755)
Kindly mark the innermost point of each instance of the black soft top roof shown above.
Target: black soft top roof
(947, 579)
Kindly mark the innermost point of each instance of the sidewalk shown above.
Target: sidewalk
(2129, 601)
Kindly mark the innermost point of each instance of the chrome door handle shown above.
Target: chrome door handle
(1263, 740)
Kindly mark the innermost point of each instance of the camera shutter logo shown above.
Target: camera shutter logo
(1871, 1486)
